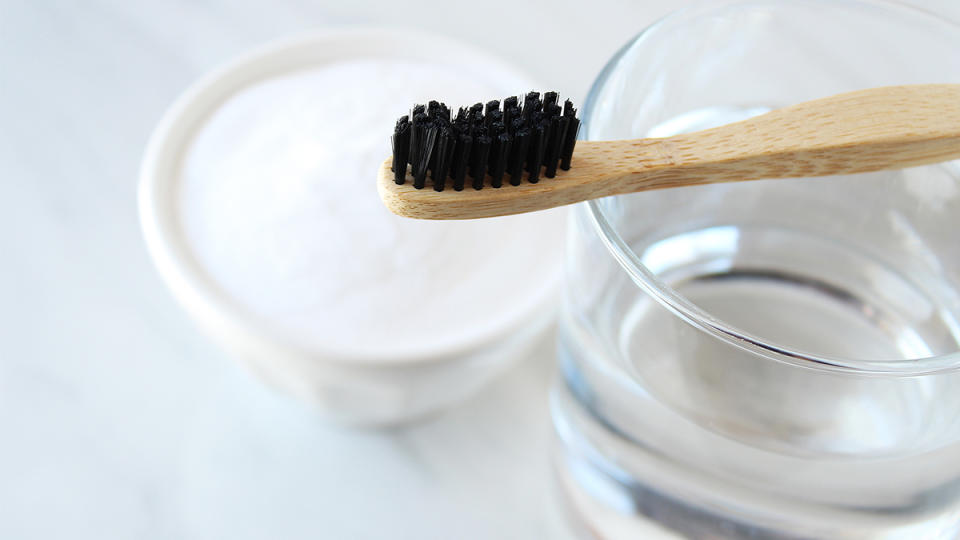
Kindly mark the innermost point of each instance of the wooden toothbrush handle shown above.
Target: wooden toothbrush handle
(867, 130)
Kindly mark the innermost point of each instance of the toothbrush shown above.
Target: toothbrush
(868, 130)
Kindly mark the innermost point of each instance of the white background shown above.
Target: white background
(117, 418)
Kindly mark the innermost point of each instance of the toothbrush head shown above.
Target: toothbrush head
(485, 142)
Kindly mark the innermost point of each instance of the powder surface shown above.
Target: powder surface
(278, 202)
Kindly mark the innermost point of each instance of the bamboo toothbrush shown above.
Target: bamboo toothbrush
(868, 130)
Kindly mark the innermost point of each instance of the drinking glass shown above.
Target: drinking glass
(775, 358)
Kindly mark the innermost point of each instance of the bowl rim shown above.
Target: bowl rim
(686, 310)
(234, 326)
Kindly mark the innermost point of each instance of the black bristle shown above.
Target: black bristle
(518, 154)
(532, 105)
(433, 109)
(493, 117)
(479, 159)
(462, 122)
(416, 135)
(432, 161)
(570, 138)
(535, 121)
(510, 112)
(445, 144)
(538, 136)
(547, 136)
(549, 100)
(558, 132)
(553, 110)
(508, 116)
(496, 129)
(461, 157)
(442, 121)
(427, 141)
(476, 121)
(535, 157)
(529, 105)
(498, 158)
(554, 139)
(401, 149)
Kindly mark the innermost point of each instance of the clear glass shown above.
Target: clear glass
(769, 359)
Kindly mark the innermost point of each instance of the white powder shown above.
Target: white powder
(278, 201)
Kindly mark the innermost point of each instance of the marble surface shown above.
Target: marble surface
(118, 418)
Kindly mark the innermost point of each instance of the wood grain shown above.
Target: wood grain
(868, 130)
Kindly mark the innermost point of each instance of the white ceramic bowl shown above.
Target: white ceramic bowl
(345, 386)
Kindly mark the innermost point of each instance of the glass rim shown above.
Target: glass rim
(686, 310)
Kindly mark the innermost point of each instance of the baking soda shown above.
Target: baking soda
(278, 202)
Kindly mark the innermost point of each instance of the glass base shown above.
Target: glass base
(620, 489)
